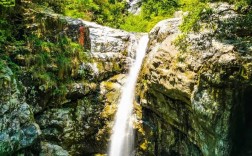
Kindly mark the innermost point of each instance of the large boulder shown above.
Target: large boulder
(194, 92)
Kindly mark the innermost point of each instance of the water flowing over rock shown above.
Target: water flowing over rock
(134, 6)
(122, 139)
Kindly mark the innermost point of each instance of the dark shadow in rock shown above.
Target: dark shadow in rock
(242, 122)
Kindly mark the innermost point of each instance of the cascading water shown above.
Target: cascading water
(122, 139)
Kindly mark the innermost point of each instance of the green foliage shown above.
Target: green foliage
(8, 44)
(114, 13)
(80, 9)
(60, 90)
(105, 12)
(235, 30)
(191, 20)
(5, 34)
(181, 42)
(199, 9)
(7, 3)
(152, 12)
(110, 13)
(248, 2)
(135, 24)
(2, 64)
(154, 8)
(56, 5)
(54, 64)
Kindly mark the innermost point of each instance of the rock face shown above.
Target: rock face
(195, 100)
(78, 120)
(81, 123)
(110, 49)
(18, 128)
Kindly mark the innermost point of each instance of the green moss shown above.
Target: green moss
(109, 85)
(181, 43)
(9, 44)
(60, 90)
(235, 30)
(245, 71)
(100, 66)
(116, 67)
(190, 22)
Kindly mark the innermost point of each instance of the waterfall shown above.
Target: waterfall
(122, 139)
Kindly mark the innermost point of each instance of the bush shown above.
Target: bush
(190, 22)
(135, 24)
(54, 64)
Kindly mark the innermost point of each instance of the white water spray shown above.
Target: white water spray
(122, 139)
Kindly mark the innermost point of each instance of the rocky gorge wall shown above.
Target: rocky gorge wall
(193, 95)
(39, 117)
